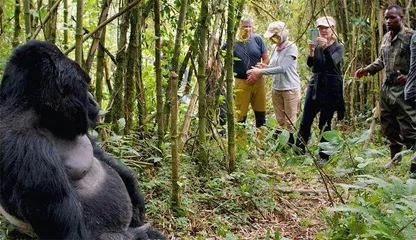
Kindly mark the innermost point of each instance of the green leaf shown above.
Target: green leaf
(290, 162)
(155, 159)
(277, 235)
(121, 123)
(371, 153)
(347, 209)
(331, 136)
(115, 138)
(364, 137)
(284, 137)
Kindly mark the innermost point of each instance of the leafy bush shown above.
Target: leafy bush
(378, 209)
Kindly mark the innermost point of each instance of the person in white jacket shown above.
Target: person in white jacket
(286, 82)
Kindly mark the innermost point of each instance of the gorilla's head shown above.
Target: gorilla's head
(39, 76)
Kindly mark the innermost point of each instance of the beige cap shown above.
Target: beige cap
(278, 28)
(325, 22)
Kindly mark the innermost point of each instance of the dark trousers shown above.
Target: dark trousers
(311, 108)
(398, 118)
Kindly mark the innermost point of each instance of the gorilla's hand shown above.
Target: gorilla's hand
(145, 232)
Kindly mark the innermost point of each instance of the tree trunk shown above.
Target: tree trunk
(158, 69)
(229, 62)
(17, 27)
(97, 36)
(99, 27)
(79, 31)
(374, 50)
(380, 33)
(36, 4)
(140, 90)
(50, 33)
(1, 16)
(214, 69)
(203, 30)
(354, 53)
(26, 6)
(100, 69)
(45, 19)
(175, 108)
(130, 83)
(66, 25)
(188, 117)
(117, 111)
(408, 7)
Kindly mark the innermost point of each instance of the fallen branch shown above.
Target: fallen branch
(405, 226)
(373, 124)
(301, 190)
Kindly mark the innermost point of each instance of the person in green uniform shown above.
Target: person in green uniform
(398, 117)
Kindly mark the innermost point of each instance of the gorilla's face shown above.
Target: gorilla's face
(93, 111)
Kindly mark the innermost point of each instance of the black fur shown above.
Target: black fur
(43, 100)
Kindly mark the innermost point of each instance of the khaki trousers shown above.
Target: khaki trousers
(285, 105)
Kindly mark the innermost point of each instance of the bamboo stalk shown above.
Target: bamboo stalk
(48, 15)
(127, 8)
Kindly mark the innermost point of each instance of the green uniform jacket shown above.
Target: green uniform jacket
(394, 55)
(398, 117)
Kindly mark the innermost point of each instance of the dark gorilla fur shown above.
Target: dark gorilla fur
(55, 181)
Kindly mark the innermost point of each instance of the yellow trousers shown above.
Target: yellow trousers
(249, 93)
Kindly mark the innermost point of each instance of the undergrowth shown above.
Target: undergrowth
(274, 194)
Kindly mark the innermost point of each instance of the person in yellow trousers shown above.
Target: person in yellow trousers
(249, 49)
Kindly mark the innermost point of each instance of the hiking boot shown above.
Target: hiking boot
(394, 156)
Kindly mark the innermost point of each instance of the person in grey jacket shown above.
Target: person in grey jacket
(286, 82)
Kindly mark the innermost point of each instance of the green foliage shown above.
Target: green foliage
(378, 209)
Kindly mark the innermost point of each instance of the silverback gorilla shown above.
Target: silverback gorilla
(55, 181)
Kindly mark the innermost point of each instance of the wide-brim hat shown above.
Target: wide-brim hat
(275, 28)
(325, 22)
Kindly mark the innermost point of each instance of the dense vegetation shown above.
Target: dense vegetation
(198, 183)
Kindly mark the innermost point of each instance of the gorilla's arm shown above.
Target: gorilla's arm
(129, 180)
(33, 180)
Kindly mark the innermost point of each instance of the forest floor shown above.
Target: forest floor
(273, 194)
(299, 214)
(261, 198)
